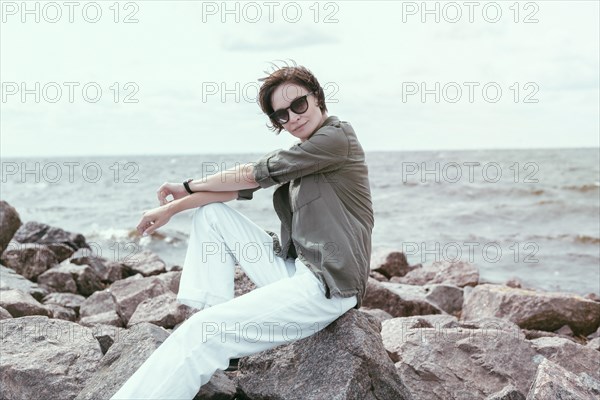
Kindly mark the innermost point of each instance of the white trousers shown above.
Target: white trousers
(288, 304)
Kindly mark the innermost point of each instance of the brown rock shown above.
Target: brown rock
(398, 300)
(377, 276)
(162, 310)
(85, 278)
(9, 224)
(28, 259)
(508, 393)
(20, 304)
(377, 313)
(569, 355)
(35, 232)
(390, 263)
(552, 382)
(459, 274)
(594, 344)
(9, 279)
(146, 263)
(100, 302)
(69, 300)
(532, 309)
(344, 360)
(130, 292)
(60, 312)
(46, 358)
(4, 314)
(242, 283)
(171, 279)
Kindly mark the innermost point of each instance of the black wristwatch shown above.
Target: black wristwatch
(187, 186)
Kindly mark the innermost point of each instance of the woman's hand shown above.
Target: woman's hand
(154, 219)
(175, 189)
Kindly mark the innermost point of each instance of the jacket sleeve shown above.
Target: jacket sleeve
(246, 194)
(326, 150)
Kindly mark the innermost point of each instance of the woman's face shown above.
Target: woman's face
(301, 125)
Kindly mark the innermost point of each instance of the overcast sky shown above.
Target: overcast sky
(186, 74)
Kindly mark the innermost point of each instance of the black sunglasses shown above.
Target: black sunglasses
(298, 106)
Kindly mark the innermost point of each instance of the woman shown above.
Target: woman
(316, 273)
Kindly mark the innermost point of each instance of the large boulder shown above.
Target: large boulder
(397, 299)
(9, 224)
(100, 309)
(552, 382)
(547, 311)
(146, 263)
(574, 357)
(20, 304)
(129, 293)
(36, 232)
(45, 358)
(449, 360)
(9, 279)
(162, 310)
(344, 360)
(28, 259)
(72, 278)
(459, 274)
(390, 263)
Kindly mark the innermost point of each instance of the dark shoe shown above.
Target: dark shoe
(233, 364)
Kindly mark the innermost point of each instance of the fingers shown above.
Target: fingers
(162, 194)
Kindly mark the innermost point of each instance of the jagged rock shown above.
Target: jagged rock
(514, 283)
(107, 335)
(69, 300)
(100, 309)
(242, 283)
(508, 393)
(9, 279)
(398, 300)
(344, 360)
(85, 278)
(552, 382)
(59, 359)
(146, 263)
(378, 277)
(377, 313)
(390, 263)
(531, 309)
(450, 361)
(61, 251)
(171, 279)
(594, 344)
(9, 224)
(459, 274)
(35, 232)
(20, 304)
(220, 387)
(60, 312)
(28, 259)
(448, 298)
(574, 357)
(130, 292)
(162, 310)
(4, 314)
(107, 271)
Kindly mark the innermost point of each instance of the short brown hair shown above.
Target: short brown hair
(294, 74)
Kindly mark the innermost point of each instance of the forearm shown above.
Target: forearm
(200, 199)
(233, 179)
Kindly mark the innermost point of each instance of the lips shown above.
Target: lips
(300, 127)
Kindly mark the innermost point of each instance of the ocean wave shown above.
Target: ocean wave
(591, 187)
(582, 239)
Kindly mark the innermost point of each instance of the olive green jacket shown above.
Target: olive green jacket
(324, 204)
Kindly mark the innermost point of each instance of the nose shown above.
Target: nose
(293, 116)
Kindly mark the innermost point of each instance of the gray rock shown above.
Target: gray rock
(4, 314)
(84, 276)
(60, 312)
(398, 300)
(162, 310)
(242, 283)
(69, 300)
(508, 393)
(171, 279)
(20, 304)
(9, 279)
(390, 263)
(28, 259)
(105, 318)
(448, 362)
(552, 382)
(61, 251)
(35, 232)
(574, 357)
(58, 280)
(130, 292)
(345, 360)
(459, 274)
(378, 277)
(99, 302)
(60, 358)
(531, 309)
(9, 223)
(146, 263)
(377, 313)
(594, 344)
(448, 298)
(107, 271)
(220, 387)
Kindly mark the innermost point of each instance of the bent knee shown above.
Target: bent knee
(211, 211)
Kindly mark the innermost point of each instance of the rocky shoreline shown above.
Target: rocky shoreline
(76, 326)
